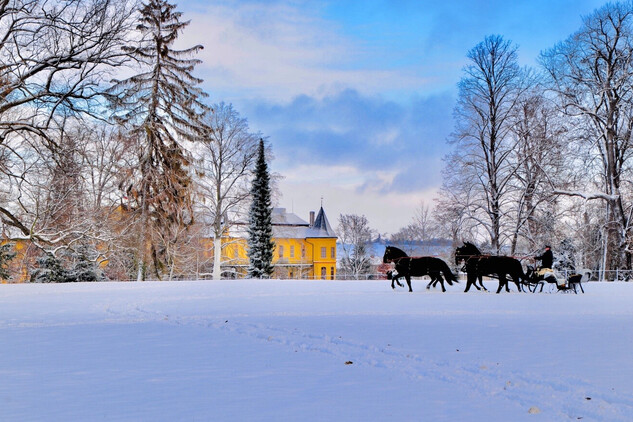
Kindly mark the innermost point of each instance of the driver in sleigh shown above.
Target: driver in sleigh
(545, 271)
(547, 260)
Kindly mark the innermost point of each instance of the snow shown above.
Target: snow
(256, 350)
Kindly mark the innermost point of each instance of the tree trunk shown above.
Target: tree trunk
(142, 241)
(217, 257)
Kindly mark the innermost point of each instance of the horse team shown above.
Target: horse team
(476, 265)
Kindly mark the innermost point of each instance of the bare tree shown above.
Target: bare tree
(591, 74)
(449, 214)
(108, 153)
(421, 229)
(539, 135)
(407, 238)
(488, 95)
(53, 59)
(354, 236)
(224, 165)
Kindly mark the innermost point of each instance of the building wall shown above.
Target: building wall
(292, 258)
(323, 257)
(18, 265)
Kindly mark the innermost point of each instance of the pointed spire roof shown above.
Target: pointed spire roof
(321, 227)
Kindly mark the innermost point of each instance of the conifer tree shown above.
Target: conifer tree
(6, 255)
(260, 229)
(161, 106)
(50, 270)
(84, 268)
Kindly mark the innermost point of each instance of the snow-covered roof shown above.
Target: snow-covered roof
(290, 226)
(321, 227)
(281, 217)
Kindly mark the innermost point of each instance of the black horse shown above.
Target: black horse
(478, 265)
(407, 266)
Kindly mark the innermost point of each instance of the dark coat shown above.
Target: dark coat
(547, 259)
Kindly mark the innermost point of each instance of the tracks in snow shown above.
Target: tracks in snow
(580, 399)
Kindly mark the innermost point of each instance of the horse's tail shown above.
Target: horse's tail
(522, 274)
(448, 274)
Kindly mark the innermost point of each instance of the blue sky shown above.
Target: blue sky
(356, 97)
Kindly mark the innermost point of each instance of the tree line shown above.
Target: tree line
(109, 153)
(543, 155)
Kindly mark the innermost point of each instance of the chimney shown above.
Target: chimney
(311, 218)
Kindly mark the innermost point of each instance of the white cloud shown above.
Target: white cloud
(277, 51)
(386, 213)
(346, 177)
(348, 190)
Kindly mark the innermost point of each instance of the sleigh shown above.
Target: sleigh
(552, 281)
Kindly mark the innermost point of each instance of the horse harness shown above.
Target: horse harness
(411, 258)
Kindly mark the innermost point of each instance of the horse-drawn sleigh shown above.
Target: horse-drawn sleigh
(478, 265)
(555, 281)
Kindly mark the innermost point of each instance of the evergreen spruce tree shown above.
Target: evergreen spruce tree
(6, 255)
(50, 270)
(565, 261)
(260, 228)
(161, 106)
(84, 268)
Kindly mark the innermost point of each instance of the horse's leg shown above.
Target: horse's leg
(396, 279)
(441, 280)
(408, 278)
(469, 281)
(502, 282)
(475, 281)
(428, 286)
(436, 276)
(481, 283)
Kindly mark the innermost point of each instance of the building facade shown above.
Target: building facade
(303, 249)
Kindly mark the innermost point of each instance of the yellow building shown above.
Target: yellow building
(302, 249)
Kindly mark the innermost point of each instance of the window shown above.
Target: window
(281, 251)
(332, 272)
(333, 252)
(323, 273)
(292, 251)
(323, 252)
(303, 251)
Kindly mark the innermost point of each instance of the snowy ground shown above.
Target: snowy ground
(313, 351)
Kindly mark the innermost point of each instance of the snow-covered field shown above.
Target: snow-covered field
(313, 351)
